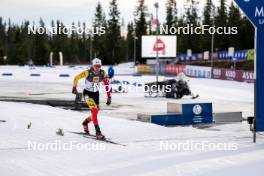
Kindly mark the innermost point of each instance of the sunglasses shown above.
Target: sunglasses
(97, 66)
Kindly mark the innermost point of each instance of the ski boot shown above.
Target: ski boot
(99, 135)
(85, 127)
(86, 131)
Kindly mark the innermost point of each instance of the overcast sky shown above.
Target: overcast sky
(76, 10)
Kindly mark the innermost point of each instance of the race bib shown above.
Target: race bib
(96, 79)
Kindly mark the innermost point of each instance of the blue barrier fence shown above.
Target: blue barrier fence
(64, 75)
(7, 74)
(35, 74)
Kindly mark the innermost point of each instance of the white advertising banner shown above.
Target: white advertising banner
(198, 72)
(206, 55)
(231, 52)
(166, 46)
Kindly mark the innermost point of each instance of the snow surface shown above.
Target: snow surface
(144, 153)
(225, 95)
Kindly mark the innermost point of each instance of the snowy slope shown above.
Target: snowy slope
(151, 149)
(143, 154)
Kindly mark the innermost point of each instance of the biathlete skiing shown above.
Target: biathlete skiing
(93, 77)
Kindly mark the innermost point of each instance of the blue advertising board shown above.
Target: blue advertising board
(201, 113)
(198, 113)
(254, 10)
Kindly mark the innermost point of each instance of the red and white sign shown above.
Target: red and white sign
(159, 46)
(164, 45)
(154, 22)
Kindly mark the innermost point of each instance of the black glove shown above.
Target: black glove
(74, 90)
(108, 102)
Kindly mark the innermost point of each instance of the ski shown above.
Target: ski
(103, 140)
(91, 136)
(82, 133)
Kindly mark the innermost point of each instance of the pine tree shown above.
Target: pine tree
(130, 41)
(28, 41)
(221, 20)
(42, 47)
(114, 35)
(141, 28)
(85, 45)
(246, 34)
(73, 47)
(234, 19)
(81, 44)
(171, 10)
(192, 18)
(208, 15)
(2, 41)
(99, 16)
(17, 55)
(99, 41)
(182, 44)
(11, 43)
